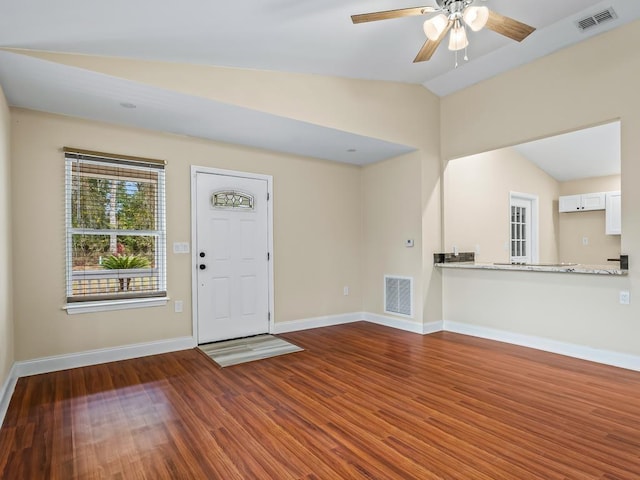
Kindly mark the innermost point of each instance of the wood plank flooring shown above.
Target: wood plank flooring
(361, 402)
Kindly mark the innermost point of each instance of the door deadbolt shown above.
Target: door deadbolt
(201, 254)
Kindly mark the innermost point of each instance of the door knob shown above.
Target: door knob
(202, 266)
(201, 254)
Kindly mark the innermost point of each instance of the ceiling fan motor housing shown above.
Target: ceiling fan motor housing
(454, 6)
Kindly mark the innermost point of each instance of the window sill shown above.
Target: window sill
(108, 305)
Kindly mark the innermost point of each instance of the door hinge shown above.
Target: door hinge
(268, 196)
(269, 316)
(268, 256)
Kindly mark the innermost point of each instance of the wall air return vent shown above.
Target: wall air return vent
(596, 19)
(398, 295)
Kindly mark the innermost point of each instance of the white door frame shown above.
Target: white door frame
(195, 170)
(534, 240)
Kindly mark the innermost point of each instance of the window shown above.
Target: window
(232, 199)
(520, 226)
(115, 228)
(523, 222)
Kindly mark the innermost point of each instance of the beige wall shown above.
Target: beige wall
(609, 183)
(397, 112)
(6, 300)
(392, 214)
(476, 204)
(319, 243)
(317, 233)
(402, 113)
(401, 200)
(574, 227)
(559, 93)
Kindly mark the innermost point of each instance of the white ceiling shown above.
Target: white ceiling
(283, 35)
(591, 152)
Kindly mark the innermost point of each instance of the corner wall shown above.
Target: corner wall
(6, 290)
(558, 93)
(401, 201)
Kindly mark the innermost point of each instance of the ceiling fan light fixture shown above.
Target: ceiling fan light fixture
(458, 37)
(476, 17)
(434, 27)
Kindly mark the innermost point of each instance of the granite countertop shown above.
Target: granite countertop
(557, 268)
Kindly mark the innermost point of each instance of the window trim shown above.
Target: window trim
(109, 305)
(112, 156)
(78, 304)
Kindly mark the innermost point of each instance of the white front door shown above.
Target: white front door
(232, 256)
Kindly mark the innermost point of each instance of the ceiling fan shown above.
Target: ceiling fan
(453, 16)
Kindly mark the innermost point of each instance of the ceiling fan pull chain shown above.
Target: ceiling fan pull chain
(466, 57)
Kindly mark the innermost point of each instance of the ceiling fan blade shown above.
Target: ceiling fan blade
(508, 27)
(430, 46)
(402, 12)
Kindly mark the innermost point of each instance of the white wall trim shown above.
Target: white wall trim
(105, 306)
(103, 355)
(316, 322)
(432, 327)
(403, 324)
(607, 357)
(6, 391)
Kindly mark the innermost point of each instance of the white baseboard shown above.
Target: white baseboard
(607, 357)
(6, 391)
(316, 322)
(402, 324)
(432, 327)
(103, 355)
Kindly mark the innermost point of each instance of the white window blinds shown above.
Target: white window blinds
(115, 227)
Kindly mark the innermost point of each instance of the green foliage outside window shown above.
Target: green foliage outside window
(108, 204)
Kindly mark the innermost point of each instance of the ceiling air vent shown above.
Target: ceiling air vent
(596, 19)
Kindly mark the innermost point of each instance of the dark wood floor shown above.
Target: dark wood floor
(362, 402)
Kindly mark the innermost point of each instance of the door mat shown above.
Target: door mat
(242, 350)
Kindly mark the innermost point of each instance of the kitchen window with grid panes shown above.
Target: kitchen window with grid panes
(115, 229)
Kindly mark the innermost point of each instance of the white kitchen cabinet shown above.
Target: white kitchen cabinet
(570, 203)
(613, 213)
(582, 203)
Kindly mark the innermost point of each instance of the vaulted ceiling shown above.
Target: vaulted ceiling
(280, 35)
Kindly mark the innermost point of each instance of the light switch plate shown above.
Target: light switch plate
(625, 297)
(180, 247)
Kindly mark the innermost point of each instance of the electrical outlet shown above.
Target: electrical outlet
(585, 241)
(345, 290)
(625, 297)
(177, 306)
